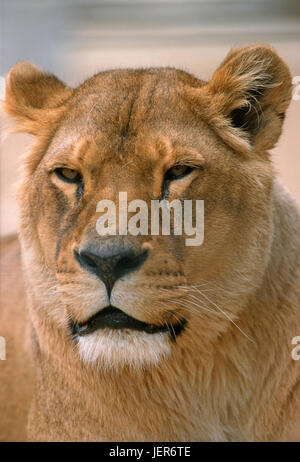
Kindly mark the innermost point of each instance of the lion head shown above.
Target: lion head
(156, 134)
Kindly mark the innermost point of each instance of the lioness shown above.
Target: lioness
(136, 338)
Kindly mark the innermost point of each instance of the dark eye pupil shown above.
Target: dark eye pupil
(178, 171)
(68, 174)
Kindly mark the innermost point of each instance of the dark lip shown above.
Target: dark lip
(114, 318)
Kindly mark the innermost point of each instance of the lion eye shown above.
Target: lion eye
(68, 174)
(178, 171)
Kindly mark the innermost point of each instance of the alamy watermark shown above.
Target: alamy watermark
(2, 349)
(187, 217)
(296, 90)
(296, 350)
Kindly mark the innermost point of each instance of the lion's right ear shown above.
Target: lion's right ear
(36, 99)
(246, 99)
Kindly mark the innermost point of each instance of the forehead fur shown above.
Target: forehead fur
(244, 103)
(121, 102)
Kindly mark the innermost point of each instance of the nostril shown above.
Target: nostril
(130, 262)
(87, 259)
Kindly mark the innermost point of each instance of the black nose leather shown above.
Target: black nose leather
(110, 265)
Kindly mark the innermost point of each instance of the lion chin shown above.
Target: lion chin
(111, 338)
(110, 349)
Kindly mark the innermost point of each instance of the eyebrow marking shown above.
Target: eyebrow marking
(83, 151)
(80, 149)
(174, 150)
(165, 146)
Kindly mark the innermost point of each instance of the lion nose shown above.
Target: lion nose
(110, 265)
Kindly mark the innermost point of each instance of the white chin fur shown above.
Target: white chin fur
(114, 348)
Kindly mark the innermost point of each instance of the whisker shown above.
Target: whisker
(227, 316)
(190, 308)
(179, 321)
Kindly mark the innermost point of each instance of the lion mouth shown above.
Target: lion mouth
(114, 318)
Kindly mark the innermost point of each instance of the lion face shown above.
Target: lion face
(155, 134)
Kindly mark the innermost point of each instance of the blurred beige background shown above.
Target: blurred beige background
(75, 39)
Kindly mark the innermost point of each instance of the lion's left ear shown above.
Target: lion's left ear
(248, 96)
(34, 98)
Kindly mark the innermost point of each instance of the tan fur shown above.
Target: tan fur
(230, 376)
